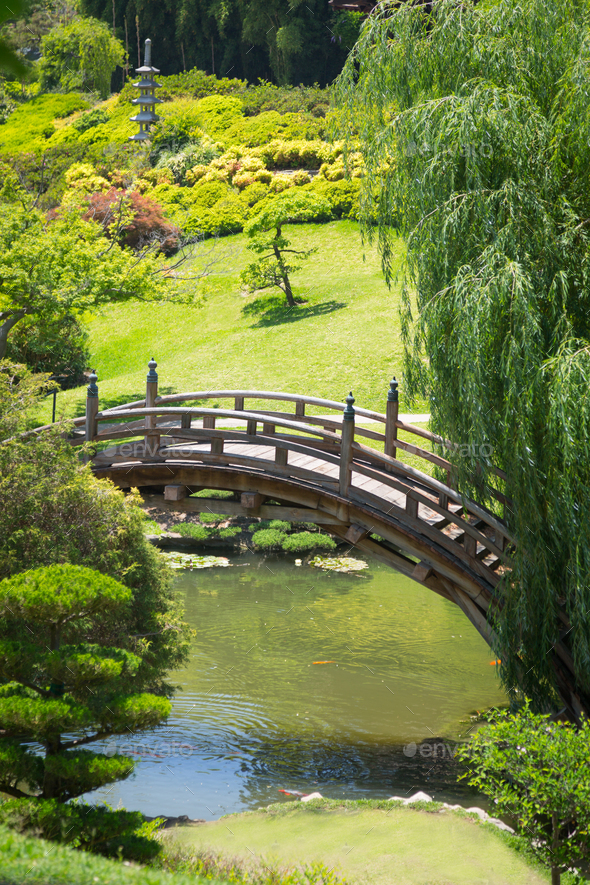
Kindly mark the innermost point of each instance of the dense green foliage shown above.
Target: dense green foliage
(538, 773)
(9, 60)
(81, 56)
(68, 665)
(286, 42)
(99, 829)
(55, 269)
(474, 127)
(308, 542)
(57, 345)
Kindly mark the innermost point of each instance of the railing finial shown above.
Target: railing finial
(392, 393)
(92, 389)
(348, 413)
(152, 375)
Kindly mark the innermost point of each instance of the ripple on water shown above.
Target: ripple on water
(256, 714)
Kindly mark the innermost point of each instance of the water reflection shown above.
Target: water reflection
(259, 714)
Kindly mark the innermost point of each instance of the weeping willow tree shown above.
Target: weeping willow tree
(474, 121)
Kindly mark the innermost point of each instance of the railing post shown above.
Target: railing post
(391, 415)
(152, 440)
(346, 445)
(91, 406)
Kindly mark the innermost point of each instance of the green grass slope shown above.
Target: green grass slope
(370, 845)
(36, 862)
(347, 335)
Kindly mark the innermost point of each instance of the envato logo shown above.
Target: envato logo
(466, 450)
(158, 750)
(471, 151)
(436, 750)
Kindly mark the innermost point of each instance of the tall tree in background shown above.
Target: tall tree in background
(80, 55)
(287, 42)
(475, 128)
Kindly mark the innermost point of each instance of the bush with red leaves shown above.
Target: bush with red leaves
(146, 225)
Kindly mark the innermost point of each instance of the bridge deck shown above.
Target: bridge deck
(325, 469)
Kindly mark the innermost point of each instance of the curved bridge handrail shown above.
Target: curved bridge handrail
(256, 394)
(319, 402)
(368, 454)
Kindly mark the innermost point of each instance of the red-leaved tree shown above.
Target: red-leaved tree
(133, 220)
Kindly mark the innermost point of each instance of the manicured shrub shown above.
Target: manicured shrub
(294, 153)
(211, 518)
(227, 216)
(279, 524)
(83, 177)
(178, 127)
(90, 119)
(259, 130)
(193, 530)
(99, 829)
(300, 177)
(142, 222)
(342, 196)
(207, 193)
(194, 153)
(217, 113)
(230, 532)
(306, 542)
(253, 193)
(266, 96)
(280, 183)
(268, 539)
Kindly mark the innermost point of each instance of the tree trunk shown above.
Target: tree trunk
(51, 787)
(555, 873)
(8, 318)
(285, 276)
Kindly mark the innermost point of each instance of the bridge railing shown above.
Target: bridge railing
(167, 424)
(389, 439)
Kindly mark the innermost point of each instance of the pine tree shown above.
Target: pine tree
(63, 689)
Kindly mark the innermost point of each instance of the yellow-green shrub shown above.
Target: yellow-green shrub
(296, 153)
(254, 193)
(280, 183)
(343, 195)
(258, 130)
(216, 113)
(84, 178)
(30, 127)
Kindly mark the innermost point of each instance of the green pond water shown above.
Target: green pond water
(257, 714)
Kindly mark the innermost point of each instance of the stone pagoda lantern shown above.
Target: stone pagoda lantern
(147, 96)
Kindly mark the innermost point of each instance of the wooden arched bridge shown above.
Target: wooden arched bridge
(312, 462)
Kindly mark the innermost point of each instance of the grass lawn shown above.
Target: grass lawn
(347, 335)
(36, 862)
(370, 845)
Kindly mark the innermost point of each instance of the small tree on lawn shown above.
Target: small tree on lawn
(57, 680)
(274, 265)
(538, 773)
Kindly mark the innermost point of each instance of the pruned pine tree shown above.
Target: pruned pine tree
(475, 129)
(64, 688)
(278, 261)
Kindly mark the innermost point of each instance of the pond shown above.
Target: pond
(355, 685)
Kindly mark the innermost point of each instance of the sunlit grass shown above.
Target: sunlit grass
(345, 337)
